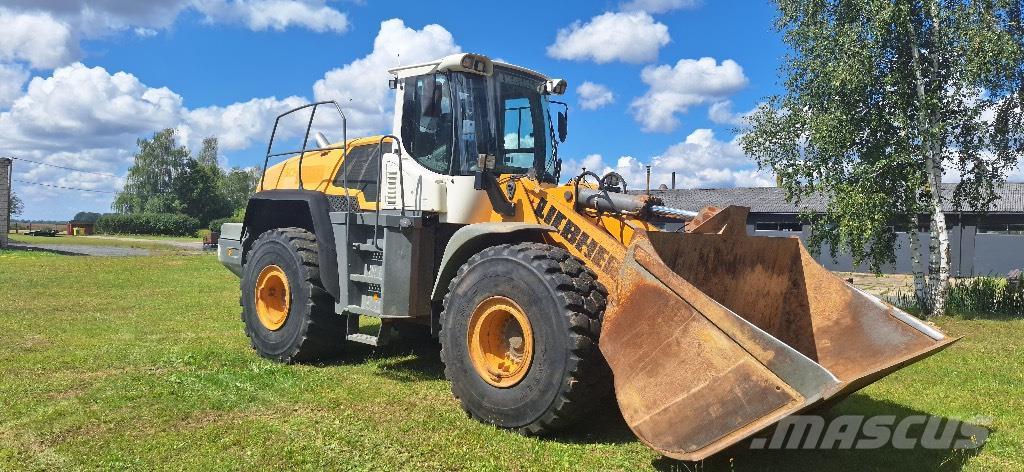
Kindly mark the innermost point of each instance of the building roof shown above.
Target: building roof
(773, 199)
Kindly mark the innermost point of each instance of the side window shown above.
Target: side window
(361, 168)
(428, 139)
(519, 147)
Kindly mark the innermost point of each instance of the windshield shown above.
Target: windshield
(514, 126)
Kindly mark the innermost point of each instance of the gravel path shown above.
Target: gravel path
(82, 250)
(190, 245)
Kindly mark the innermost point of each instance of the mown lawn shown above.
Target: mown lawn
(140, 363)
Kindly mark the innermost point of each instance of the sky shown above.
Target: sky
(651, 82)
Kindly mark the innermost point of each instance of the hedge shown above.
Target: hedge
(216, 224)
(168, 224)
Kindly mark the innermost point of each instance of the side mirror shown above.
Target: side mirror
(430, 102)
(563, 126)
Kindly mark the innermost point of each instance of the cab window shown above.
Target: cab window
(427, 137)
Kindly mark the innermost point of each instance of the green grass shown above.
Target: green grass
(140, 363)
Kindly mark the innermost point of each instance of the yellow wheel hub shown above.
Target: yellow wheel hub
(272, 297)
(500, 341)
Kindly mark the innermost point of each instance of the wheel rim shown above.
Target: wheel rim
(500, 341)
(272, 297)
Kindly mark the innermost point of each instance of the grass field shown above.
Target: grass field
(140, 363)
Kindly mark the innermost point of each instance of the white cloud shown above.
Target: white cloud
(659, 6)
(236, 126)
(594, 96)
(700, 161)
(35, 38)
(632, 37)
(277, 15)
(674, 89)
(45, 34)
(82, 107)
(12, 78)
(572, 167)
(722, 113)
(89, 118)
(360, 87)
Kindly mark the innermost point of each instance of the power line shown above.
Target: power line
(58, 186)
(65, 168)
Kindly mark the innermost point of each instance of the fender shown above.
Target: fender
(305, 209)
(473, 238)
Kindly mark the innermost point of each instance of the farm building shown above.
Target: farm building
(79, 228)
(980, 244)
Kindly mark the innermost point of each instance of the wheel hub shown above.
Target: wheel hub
(273, 298)
(500, 341)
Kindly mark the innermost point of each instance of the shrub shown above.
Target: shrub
(237, 217)
(168, 224)
(978, 296)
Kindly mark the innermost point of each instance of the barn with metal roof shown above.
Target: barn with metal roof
(990, 242)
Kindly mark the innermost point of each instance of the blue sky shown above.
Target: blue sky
(80, 83)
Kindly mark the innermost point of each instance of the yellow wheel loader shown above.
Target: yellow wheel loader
(541, 295)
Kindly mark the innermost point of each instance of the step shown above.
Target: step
(362, 311)
(367, 247)
(363, 339)
(366, 279)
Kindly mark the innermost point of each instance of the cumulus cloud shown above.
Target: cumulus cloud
(236, 126)
(572, 167)
(632, 37)
(278, 15)
(659, 6)
(700, 161)
(45, 35)
(594, 96)
(361, 86)
(35, 38)
(674, 89)
(86, 107)
(89, 118)
(12, 78)
(723, 114)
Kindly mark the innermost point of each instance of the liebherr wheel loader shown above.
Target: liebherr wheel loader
(543, 295)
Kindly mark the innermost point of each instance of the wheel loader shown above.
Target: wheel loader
(545, 296)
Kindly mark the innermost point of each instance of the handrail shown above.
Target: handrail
(305, 139)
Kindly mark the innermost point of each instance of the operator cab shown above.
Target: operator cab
(467, 121)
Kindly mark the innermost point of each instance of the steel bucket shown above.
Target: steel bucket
(714, 337)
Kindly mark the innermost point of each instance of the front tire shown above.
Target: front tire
(519, 334)
(288, 315)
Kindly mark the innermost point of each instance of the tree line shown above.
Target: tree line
(884, 98)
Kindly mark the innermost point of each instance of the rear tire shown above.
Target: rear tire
(309, 330)
(563, 302)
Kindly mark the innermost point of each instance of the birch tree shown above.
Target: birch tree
(884, 100)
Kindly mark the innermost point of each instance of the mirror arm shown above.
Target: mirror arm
(487, 182)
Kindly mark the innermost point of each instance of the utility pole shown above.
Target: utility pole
(5, 199)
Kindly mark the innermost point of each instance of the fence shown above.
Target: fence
(5, 199)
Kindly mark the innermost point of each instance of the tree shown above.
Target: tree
(881, 96)
(151, 178)
(239, 184)
(198, 189)
(86, 217)
(208, 155)
(17, 206)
